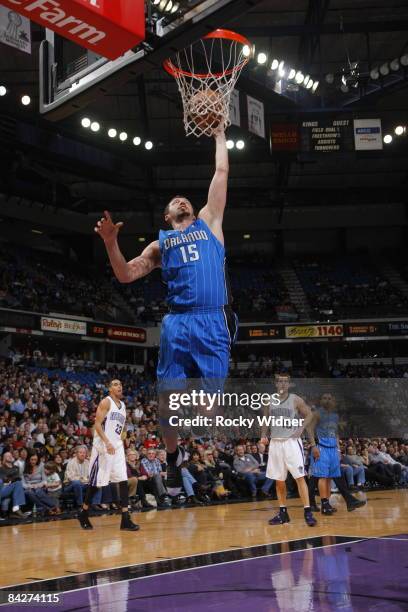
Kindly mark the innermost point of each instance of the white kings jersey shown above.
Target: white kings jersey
(112, 425)
(287, 410)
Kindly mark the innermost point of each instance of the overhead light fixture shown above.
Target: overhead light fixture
(315, 86)
(399, 130)
(404, 59)
(261, 59)
(86, 122)
(137, 141)
(95, 127)
(175, 8)
(246, 51)
(282, 72)
(142, 239)
(3, 90)
(374, 74)
(240, 145)
(123, 136)
(25, 100)
(112, 133)
(292, 74)
(156, 2)
(246, 236)
(344, 88)
(395, 65)
(275, 64)
(384, 69)
(306, 80)
(387, 138)
(299, 77)
(148, 145)
(329, 78)
(36, 231)
(281, 65)
(230, 144)
(309, 84)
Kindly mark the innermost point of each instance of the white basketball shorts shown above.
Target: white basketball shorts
(285, 456)
(105, 468)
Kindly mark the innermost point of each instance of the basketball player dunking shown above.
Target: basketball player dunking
(197, 333)
(286, 451)
(108, 462)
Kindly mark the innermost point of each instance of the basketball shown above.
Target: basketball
(206, 109)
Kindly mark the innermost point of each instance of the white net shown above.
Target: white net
(206, 74)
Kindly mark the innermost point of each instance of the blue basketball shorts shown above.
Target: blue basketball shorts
(196, 344)
(328, 464)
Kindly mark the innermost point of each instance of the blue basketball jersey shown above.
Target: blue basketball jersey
(327, 427)
(193, 266)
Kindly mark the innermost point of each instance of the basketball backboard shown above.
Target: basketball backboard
(72, 76)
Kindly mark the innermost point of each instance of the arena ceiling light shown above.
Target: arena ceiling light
(112, 133)
(149, 145)
(344, 88)
(142, 239)
(315, 86)
(137, 141)
(404, 59)
(395, 65)
(275, 64)
(240, 145)
(86, 122)
(292, 74)
(246, 236)
(123, 136)
(299, 78)
(399, 130)
(387, 138)
(306, 80)
(246, 51)
(3, 90)
(374, 74)
(261, 58)
(384, 69)
(329, 78)
(310, 84)
(95, 127)
(230, 144)
(26, 100)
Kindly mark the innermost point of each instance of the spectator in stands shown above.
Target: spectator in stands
(384, 464)
(135, 478)
(20, 462)
(77, 476)
(248, 467)
(11, 487)
(54, 484)
(357, 475)
(35, 484)
(150, 466)
(259, 454)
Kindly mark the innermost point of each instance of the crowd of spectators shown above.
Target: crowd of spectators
(37, 282)
(46, 435)
(348, 286)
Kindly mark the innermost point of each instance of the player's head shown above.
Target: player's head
(115, 388)
(282, 382)
(179, 209)
(327, 401)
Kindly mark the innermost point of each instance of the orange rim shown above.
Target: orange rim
(176, 72)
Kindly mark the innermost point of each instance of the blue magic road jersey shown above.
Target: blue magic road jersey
(193, 266)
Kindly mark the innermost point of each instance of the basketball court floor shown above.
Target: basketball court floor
(223, 557)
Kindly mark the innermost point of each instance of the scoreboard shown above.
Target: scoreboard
(327, 136)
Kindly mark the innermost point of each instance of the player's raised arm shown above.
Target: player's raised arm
(213, 211)
(126, 271)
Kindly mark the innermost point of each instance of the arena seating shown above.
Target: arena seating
(350, 286)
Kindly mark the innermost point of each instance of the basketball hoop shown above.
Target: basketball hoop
(206, 73)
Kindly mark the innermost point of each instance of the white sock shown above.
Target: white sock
(15, 508)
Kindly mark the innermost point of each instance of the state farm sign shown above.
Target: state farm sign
(107, 27)
(65, 326)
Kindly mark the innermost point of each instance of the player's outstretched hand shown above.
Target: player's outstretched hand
(110, 449)
(107, 229)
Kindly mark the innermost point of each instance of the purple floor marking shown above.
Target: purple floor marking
(369, 575)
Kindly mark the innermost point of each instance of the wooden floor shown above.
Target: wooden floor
(60, 548)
